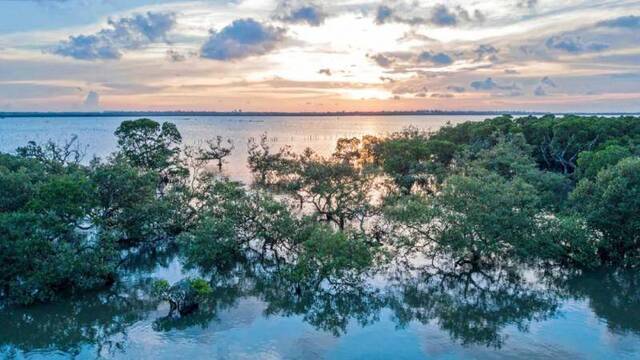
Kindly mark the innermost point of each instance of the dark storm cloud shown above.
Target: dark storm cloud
(241, 39)
(124, 34)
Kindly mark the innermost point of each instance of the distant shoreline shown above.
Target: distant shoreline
(309, 114)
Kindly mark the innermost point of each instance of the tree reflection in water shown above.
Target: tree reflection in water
(474, 307)
(613, 296)
(98, 319)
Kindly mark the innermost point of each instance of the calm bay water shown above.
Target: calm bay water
(318, 133)
(533, 315)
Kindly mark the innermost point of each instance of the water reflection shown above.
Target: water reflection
(473, 307)
(328, 307)
(613, 296)
(100, 319)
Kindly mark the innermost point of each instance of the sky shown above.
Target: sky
(319, 55)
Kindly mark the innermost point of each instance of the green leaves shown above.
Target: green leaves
(411, 158)
(611, 205)
(480, 193)
(147, 144)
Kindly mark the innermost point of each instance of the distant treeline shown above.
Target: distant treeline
(267, 113)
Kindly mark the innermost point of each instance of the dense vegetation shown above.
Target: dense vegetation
(560, 192)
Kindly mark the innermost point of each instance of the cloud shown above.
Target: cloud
(383, 14)
(130, 33)
(547, 81)
(409, 88)
(441, 96)
(628, 22)
(486, 52)
(35, 90)
(325, 72)
(573, 44)
(442, 16)
(412, 35)
(88, 47)
(439, 59)
(625, 76)
(174, 56)
(413, 14)
(458, 89)
(540, 91)
(527, 3)
(489, 84)
(382, 60)
(405, 60)
(92, 101)
(241, 39)
(297, 12)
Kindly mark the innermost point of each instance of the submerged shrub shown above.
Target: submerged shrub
(185, 296)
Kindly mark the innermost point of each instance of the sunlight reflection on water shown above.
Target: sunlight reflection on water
(318, 133)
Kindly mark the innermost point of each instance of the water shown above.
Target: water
(318, 133)
(399, 315)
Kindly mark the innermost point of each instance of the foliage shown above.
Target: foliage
(338, 191)
(411, 158)
(558, 142)
(610, 204)
(217, 151)
(52, 155)
(127, 199)
(327, 255)
(42, 250)
(487, 217)
(510, 158)
(61, 221)
(485, 193)
(266, 165)
(185, 296)
(590, 163)
(147, 144)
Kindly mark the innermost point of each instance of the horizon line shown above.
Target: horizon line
(113, 113)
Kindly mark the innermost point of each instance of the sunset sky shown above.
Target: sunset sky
(267, 55)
